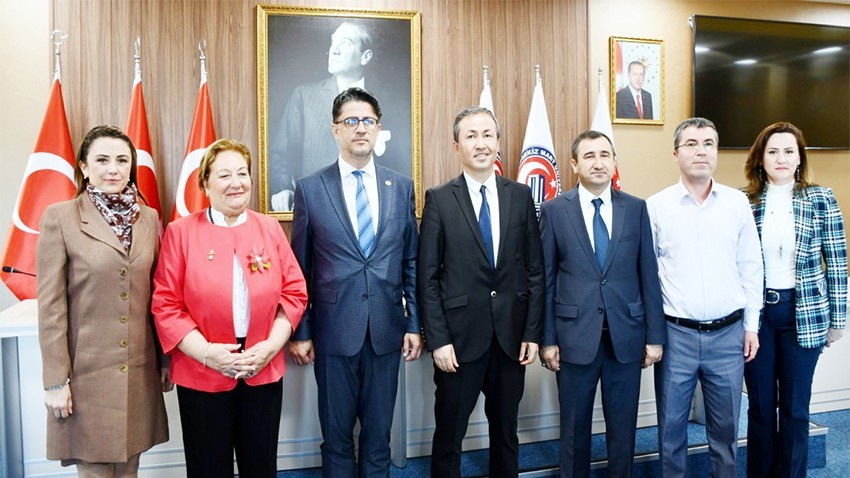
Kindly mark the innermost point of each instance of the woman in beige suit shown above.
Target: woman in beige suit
(95, 258)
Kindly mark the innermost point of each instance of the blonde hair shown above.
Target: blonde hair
(224, 144)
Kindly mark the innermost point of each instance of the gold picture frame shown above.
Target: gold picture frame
(637, 81)
(295, 91)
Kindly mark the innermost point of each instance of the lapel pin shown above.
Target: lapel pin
(388, 182)
(211, 255)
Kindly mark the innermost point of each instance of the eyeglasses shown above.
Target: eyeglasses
(693, 146)
(351, 122)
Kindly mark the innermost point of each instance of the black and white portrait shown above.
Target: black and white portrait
(310, 60)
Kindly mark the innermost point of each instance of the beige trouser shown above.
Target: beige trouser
(128, 469)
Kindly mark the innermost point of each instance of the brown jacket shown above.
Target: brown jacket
(95, 327)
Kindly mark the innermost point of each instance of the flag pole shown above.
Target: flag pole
(137, 60)
(537, 77)
(58, 37)
(202, 46)
(599, 79)
(486, 75)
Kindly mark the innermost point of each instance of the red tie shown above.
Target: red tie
(640, 110)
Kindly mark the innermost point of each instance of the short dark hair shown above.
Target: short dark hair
(355, 94)
(102, 131)
(590, 134)
(474, 110)
(696, 123)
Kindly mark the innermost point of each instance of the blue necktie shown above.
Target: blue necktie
(600, 235)
(484, 225)
(365, 231)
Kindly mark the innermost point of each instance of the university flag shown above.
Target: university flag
(602, 122)
(48, 179)
(486, 101)
(538, 167)
(189, 197)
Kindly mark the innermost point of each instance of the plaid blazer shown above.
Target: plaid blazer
(819, 238)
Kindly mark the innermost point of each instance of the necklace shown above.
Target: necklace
(780, 231)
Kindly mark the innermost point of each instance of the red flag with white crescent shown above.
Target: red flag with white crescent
(137, 130)
(189, 197)
(48, 178)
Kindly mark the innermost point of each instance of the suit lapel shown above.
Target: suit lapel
(141, 230)
(803, 219)
(461, 192)
(505, 194)
(333, 186)
(386, 193)
(617, 218)
(573, 208)
(93, 224)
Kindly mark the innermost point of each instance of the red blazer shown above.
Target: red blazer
(193, 290)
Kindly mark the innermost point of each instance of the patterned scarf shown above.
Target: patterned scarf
(121, 210)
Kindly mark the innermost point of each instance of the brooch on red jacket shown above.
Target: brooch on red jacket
(258, 261)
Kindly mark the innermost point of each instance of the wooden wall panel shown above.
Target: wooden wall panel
(458, 37)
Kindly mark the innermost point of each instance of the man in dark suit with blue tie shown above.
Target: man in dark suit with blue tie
(354, 234)
(603, 316)
(480, 283)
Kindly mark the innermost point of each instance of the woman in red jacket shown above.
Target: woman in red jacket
(228, 293)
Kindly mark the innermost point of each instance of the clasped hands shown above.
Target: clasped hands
(227, 360)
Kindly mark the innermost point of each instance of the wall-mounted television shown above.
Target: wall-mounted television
(749, 74)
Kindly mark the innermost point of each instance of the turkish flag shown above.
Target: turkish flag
(48, 178)
(137, 130)
(189, 197)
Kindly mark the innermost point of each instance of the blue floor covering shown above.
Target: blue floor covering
(544, 455)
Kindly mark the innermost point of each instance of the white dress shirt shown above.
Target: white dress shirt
(349, 191)
(241, 305)
(492, 201)
(777, 237)
(709, 256)
(588, 210)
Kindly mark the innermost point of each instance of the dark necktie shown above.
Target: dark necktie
(484, 225)
(600, 234)
(365, 231)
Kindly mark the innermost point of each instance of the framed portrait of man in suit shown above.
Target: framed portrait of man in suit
(637, 81)
(305, 58)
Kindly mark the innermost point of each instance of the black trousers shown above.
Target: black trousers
(246, 419)
(502, 379)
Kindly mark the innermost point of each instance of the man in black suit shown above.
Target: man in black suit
(480, 286)
(603, 317)
(633, 102)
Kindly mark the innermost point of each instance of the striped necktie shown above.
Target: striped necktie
(365, 231)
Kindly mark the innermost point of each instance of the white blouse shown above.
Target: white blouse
(241, 306)
(777, 237)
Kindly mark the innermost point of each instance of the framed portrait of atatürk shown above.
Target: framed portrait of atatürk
(305, 58)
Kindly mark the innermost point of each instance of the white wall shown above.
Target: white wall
(25, 53)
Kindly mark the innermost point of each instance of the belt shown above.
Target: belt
(775, 296)
(707, 325)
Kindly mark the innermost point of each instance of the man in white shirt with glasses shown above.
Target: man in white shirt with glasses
(710, 266)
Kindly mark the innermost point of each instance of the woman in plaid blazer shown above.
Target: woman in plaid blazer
(801, 229)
